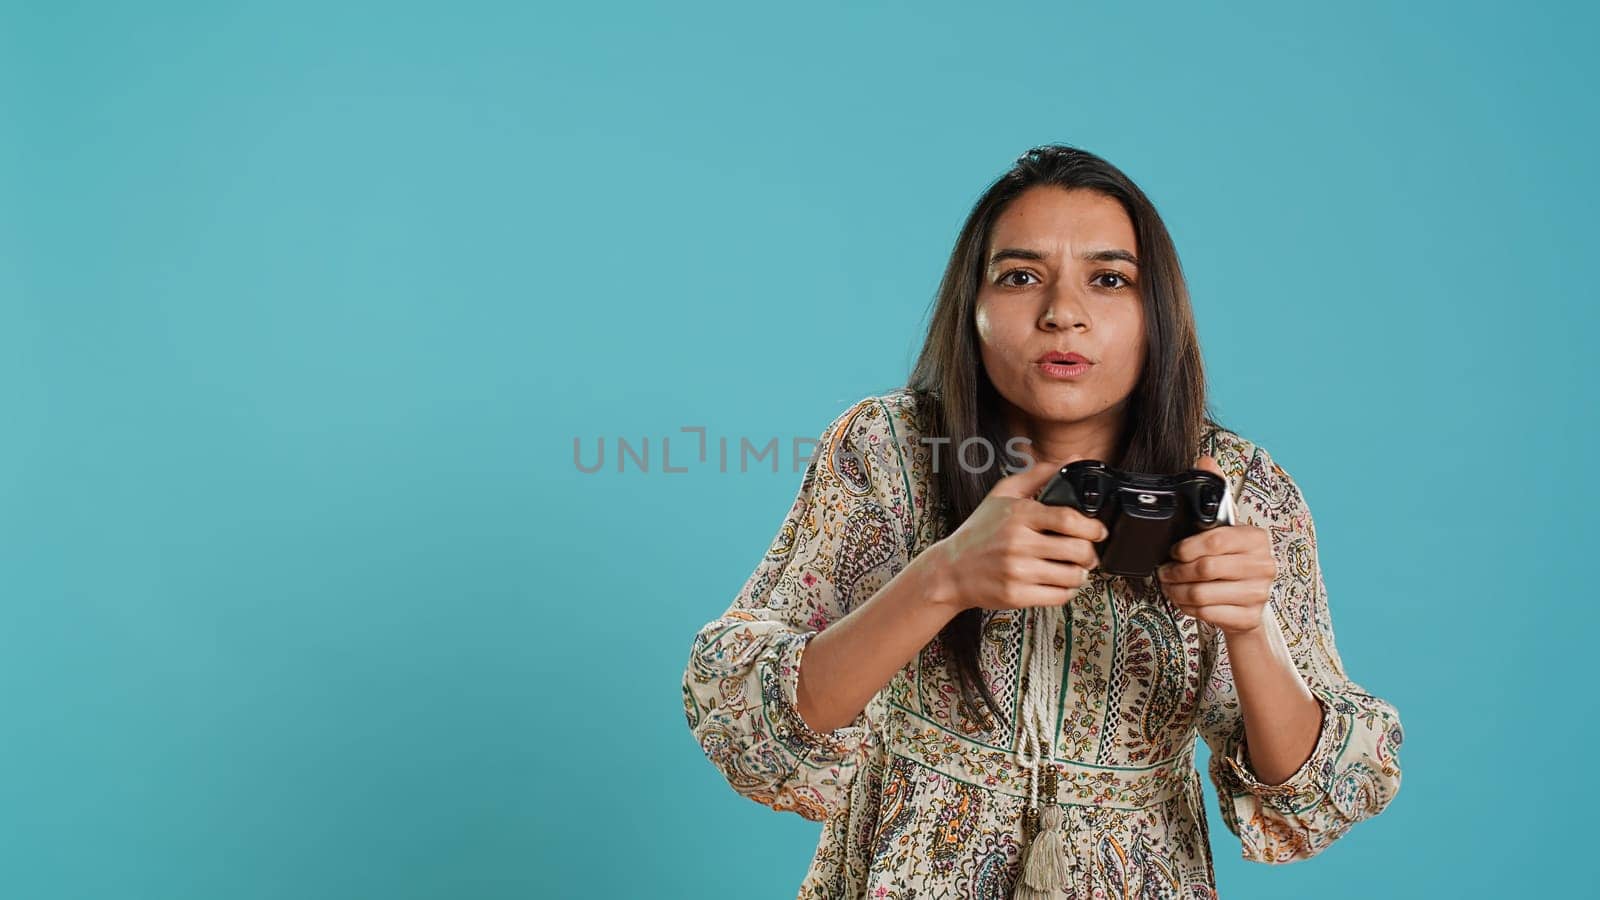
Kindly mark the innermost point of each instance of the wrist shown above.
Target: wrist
(1257, 637)
(1244, 639)
(936, 582)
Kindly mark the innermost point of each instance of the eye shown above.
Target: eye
(1002, 279)
(1117, 275)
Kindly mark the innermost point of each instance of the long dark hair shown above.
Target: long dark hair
(1167, 413)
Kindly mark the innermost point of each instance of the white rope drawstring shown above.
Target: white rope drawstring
(1037, 715)
(1046, 871)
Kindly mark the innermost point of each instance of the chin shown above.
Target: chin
(1061, 414)
(1055, 404)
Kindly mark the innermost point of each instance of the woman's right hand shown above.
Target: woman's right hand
(1014, 552)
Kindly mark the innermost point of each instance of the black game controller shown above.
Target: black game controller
(1146, 515)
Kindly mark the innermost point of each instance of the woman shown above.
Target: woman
(981, 711)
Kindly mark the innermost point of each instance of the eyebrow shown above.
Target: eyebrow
(1107, 255)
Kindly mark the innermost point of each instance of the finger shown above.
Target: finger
(1067, 521)
(1207, 608)
(1210, 465)
(1064, 549)
(1024, 596)
(1216, 541)
(1028, 482)
(1215, 593)
(1056, 573)
(1222, 615)
(1227, 567)
(1217, 614)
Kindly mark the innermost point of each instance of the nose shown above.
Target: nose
(1062, 310)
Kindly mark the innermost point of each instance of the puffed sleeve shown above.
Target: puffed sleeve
(844, 536)
(1354, 770)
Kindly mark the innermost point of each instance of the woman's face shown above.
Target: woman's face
(1062, 276)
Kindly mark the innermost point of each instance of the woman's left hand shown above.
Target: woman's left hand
(1222, 575)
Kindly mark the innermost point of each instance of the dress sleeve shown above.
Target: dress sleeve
(1354, 769)
(844, 536)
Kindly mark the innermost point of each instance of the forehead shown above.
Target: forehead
(1052, 218)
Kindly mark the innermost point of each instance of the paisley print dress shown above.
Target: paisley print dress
(916, 800)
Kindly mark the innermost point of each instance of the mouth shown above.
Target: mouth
(1063, 365)
(1056, 357)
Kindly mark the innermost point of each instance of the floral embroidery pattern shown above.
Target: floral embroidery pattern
(918, 801)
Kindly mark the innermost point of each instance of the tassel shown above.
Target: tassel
(1044, 866)
(1045, 872)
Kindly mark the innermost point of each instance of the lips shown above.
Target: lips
(1056, 357)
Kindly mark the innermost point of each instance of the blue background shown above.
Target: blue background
(302, 307)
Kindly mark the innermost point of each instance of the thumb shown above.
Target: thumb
(1028, 482)
(1210, 465)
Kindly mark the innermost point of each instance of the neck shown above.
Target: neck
(1093, 438)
